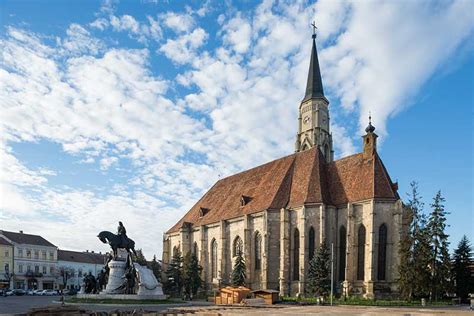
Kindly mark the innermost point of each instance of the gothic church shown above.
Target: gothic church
(278, 213)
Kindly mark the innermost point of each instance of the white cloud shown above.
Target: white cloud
(183, 49)
(80, 41)
(100, 23)
(107, 162)
(238, 33)
(143, 32)
(181, 23)
(125, 23)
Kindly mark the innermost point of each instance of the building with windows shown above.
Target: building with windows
(34, 261)
(6, 263)
(280, 212)
(75, 265)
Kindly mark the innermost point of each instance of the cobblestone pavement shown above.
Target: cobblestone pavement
(21, 304)
(325, 310)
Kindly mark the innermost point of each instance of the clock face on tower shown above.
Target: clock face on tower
(306, 119)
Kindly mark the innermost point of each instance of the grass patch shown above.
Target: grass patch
(354, 300)
(115, 301)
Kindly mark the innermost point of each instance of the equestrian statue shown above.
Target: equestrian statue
(118, 241)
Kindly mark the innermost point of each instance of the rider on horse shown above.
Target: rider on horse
(122, 232)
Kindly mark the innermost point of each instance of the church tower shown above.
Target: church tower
(313, 117)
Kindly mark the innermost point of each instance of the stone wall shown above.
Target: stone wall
(277, 229)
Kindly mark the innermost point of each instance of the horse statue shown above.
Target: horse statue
(116, 242)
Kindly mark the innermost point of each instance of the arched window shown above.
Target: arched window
(342, 253)
(258, 251)
(296, 255)
(237, 246)
(311, 242)
(175, 251)
(195, 249)
(360, 252)
(214, 258)
(382, 253)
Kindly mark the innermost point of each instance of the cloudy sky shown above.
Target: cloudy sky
(131, 110)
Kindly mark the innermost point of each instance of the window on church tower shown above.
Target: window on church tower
(258, 251)
(361, 252)
(214, 259)
(296, 255)
(342, 253)
(195, 249)
(237, 246)
(382, 252)
(311, 242)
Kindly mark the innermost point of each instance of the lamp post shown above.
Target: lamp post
(332, 270)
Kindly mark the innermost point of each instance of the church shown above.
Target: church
(278, 214)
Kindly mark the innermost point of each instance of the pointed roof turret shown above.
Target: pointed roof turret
(314, 85)
(370, 128)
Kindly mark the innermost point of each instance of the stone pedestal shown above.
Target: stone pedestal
(116, 273)
(148, 285)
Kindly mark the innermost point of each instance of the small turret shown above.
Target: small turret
(370, 140)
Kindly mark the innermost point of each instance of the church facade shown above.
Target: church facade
(280, 212)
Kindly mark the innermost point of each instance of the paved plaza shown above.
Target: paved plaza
(18, 305)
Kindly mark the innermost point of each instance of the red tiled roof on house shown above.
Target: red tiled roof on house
(27, 239)
(292, 181)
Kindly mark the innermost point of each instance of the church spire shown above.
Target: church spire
(313, 118)
(314, 85)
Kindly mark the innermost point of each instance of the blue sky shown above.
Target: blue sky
(132, 110)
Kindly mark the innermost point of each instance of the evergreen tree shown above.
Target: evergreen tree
(191, 275)
(174, 275)
(440, 263)
(238, 273)
(415, 250)
(155, 266)
(319, 274)
(139, 258)
(464, 283)
(422, 260)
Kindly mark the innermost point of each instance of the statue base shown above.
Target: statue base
(137, 297)
(148, 286)
(116, 273)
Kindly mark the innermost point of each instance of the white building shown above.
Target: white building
(34, 261)
(78, 264)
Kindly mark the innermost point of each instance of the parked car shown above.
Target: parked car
(18, 292)
(3, 292)
(30, 292)
(38, 292)
(50, 292)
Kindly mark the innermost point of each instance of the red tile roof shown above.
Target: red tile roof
(292, 181)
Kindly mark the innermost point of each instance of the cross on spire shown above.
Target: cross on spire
(314, 28)
(370, 128)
